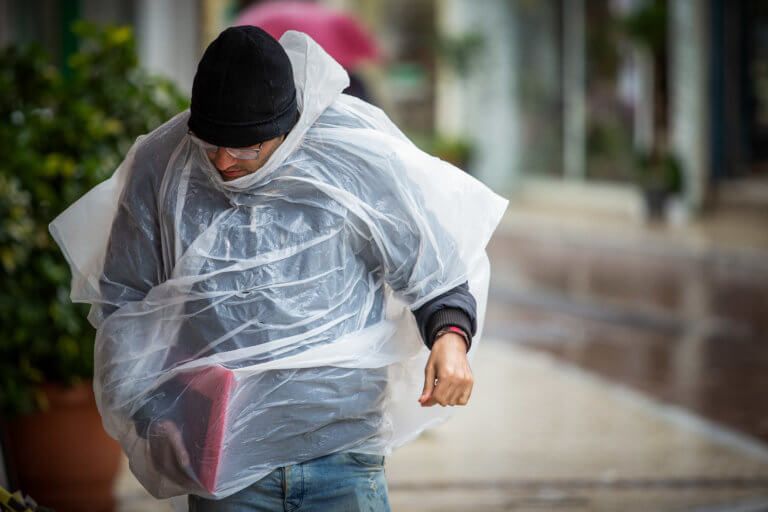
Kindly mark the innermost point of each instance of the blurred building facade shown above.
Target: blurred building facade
(554, 97)
(559, 101)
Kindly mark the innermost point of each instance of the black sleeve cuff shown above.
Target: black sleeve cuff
(446, 317)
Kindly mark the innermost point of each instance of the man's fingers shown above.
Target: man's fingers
(170, 453)
(429, 384)
(177, 442)
(453, 397)
(443, 391)
(467, 392)
(446, 384)
(453, 390)
(463, 391)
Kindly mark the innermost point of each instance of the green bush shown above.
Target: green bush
(61, 134)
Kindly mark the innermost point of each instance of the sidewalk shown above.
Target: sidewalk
(679, 314)
(624, 368)
(540, 435)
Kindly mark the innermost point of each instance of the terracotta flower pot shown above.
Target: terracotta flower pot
(62, 457)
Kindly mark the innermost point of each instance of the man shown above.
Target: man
(264, 257)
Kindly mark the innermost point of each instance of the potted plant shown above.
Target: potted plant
(659, 171)
(659, 176)
(64, 131)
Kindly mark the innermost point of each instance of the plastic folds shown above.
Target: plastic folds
(260, 322)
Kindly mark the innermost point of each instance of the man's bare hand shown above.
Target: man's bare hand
(447, 377)
(169, 453)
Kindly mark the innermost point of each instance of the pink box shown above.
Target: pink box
(203, 419)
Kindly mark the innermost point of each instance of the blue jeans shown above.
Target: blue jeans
(340, 482)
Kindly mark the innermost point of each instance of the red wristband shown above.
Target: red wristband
(454, 329)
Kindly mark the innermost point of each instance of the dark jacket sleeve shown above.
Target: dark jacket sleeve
(133, 259)
(456, 307)
(406, 243)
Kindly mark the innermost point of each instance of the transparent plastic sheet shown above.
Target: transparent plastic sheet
(268, 319)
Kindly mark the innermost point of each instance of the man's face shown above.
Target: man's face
(231, 168)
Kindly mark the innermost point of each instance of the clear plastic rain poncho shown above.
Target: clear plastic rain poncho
(269, 318)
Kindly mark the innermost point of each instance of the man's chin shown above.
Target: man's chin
(229, 176)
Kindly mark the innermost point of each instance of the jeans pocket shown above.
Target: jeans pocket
(366, 459)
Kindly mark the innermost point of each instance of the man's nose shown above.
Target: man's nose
(222, 160)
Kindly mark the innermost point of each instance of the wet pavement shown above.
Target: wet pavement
(689, 328)
(540, 434)
(543, 435)
(620, 371)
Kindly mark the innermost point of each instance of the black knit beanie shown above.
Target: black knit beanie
(243, 92)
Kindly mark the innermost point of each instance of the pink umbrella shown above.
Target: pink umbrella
(339, 34)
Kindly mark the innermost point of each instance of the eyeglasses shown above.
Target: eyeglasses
(238, 153)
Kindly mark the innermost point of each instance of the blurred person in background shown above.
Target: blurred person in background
(338, 33)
